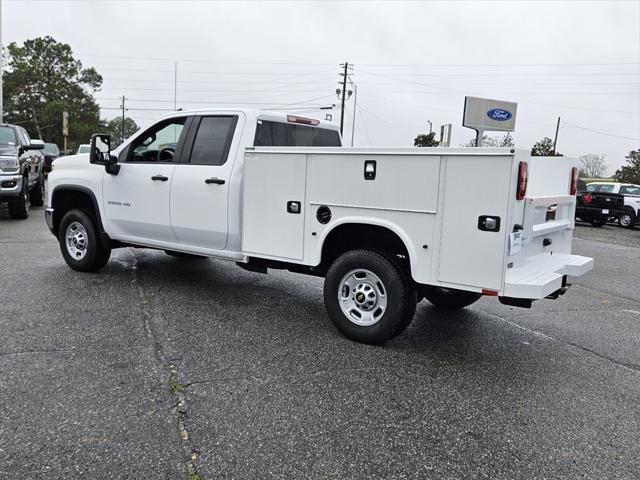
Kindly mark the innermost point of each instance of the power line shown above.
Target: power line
(390, 65)
(524, 74)
(600, 132)
(430, 65)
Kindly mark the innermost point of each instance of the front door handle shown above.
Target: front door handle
(217, 181)
(162, 178)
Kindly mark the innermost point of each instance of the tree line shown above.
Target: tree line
(41, 80)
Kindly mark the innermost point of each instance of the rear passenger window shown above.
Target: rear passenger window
(280, 134)
(629, 190)
(213, 140)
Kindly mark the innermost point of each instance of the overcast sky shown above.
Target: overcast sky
(414, 61)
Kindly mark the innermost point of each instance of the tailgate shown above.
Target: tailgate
(539, 249)
(606, 200)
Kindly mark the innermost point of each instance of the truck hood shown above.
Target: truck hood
(8, 151)
(72, 161)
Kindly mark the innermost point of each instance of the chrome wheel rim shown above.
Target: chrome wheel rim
(77, 240)
(362, 297)
(625, 220)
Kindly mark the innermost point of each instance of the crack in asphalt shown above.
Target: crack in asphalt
(28, 352)
(180, 405)
(629, 366)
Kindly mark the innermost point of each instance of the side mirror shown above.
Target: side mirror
(100, 153)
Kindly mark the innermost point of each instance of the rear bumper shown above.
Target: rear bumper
(10, 186)
(597, 212)
(542, 274)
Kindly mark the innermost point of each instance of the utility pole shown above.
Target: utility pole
(344, 95)
(355, 105)
(555, 139)
(175, 85)
(122, 129)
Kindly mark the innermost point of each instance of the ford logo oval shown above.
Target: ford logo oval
(499, 114)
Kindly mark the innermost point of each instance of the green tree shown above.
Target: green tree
(43, 79)
(114, 128)
(544, 148)
(630, 173)
(426, 140)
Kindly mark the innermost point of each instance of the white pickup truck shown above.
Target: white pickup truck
(385, 227)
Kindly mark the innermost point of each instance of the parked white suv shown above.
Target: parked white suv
(631, 194)
(385, 227)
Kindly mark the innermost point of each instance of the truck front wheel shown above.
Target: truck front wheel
(80, 243)
(369, 297)
(36, 195)
(448, 297)
(19, 208)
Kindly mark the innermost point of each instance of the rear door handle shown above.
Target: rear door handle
(162, 178)
(217, 181)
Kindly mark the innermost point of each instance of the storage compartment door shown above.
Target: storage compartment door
(270, 225)
(474, 187)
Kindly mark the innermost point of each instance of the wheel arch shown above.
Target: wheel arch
(67, 197)
(349, 233)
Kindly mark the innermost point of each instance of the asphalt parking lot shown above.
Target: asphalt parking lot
(166, 368)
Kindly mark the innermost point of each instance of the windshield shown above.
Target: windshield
(278, 134)
(51, 148)
(600, 187)
(84, 148)
(7, 136)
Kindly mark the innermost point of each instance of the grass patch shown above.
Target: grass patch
(175, 386)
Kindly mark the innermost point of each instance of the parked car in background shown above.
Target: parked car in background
(631, 193)
(83, 148)
(21, 170)
(597, 208)
(51, 152)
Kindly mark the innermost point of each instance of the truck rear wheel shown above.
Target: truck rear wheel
(598, 222)
(369, 297)
(448, 297)
(80, 243)
(19, 208)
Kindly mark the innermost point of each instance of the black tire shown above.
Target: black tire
(448, 297)
(96, 255)
(598, 222)
(173, 253)
(627, 219)
(19, 208)
(36, 194)
(395, 282)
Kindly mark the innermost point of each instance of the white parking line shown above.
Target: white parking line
(635, 312)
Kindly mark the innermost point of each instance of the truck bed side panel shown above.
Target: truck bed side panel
(474, 187)
(268, 229)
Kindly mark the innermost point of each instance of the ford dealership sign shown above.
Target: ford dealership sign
(487, 114)
(499, 114)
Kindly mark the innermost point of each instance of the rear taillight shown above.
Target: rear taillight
(574, 181)
(587, 198)
(523, 170)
